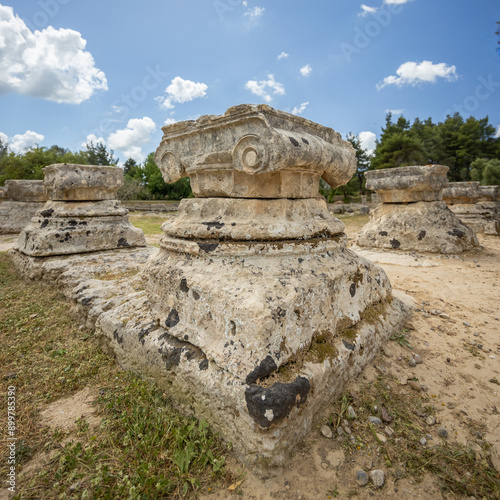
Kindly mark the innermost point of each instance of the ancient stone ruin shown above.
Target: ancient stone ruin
(81, 215)
(412, 215)
(20, 202)
(478, 207)
(253, 314)
(259, 312)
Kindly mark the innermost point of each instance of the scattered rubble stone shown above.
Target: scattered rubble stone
(377, 477)
(442, 432)
(326, 431)
(362, 478)
(375, 420)
(351, 413)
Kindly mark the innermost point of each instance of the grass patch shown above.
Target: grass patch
(143, 448)
(353, 223)
(460, 470)
(150, 224)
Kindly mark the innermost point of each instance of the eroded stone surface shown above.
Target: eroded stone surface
(421, 226)
(70, 182)
(253, 219)
(77, 226)
(408, 184)
(462, 193)
(254, 152)
(15, 215)
(25, 191)
(489, 193)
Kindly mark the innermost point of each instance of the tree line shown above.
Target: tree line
(467, 146)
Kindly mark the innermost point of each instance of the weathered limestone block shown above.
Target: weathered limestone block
(254, 152)
(408, 184)
(22, 200)
(25, 191)
(476, 206)
(422, 226)
(489, 193)
(69, 182)
(257, 313)
(73, 227)
(412, 217)
(462, 193)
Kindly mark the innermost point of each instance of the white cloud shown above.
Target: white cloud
(94, 139)
(21, 142)
(50, 64)
(414, 73)
(283, 55)
(130, 140)
(396, 2)
(367, 10)
(244, 3)
(264, 88)
(306, 70)
(169, 121)
(367, 140)
(298, 110)
(497, 133)
(394, 111)
(182, 91)
(255, 13)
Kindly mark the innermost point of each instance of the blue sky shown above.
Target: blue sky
(118, 70)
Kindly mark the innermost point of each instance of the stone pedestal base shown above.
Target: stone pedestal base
(15, 215)
(422, 226)
(63, 228)
(482, 217)
(256, 337)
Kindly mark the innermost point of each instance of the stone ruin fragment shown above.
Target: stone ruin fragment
(412, 215)
(81, 215)
(257, 312)
(478, 207)
(21, 200)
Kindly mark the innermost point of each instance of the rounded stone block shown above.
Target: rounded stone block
(70, 182)
(253, 219)
(408, 184)
(422, 226)
(462, 193)
(25, 190)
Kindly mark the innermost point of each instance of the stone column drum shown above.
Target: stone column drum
(82, 214)
(261, 313)
(478, 207)
(412, 215)
(22, 200)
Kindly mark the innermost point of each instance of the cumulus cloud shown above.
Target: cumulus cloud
(264, 88)
(306, 70)
(130, 140)
(50, 64)
(414, 73)
(283, 55)
(367, 140)
(21, 142)
(497, 133)
(298, 110)
(92, 138)
(169, 121)
(254, 14)
(395, 111)
(182, 91)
